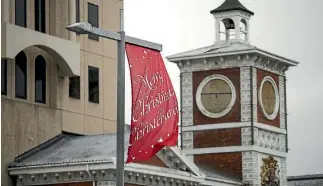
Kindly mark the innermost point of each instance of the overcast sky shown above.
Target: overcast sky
(291, 28)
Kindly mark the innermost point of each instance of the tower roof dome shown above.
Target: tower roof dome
(230, 5)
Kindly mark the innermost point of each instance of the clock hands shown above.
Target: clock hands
(216, 93)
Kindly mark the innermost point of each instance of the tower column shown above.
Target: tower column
(247, 30)
(237, 28)
(217, 29)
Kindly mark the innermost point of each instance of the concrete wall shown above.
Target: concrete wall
(26, 124)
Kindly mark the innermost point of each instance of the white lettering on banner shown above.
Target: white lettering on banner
(159, 120)
(145, 104)
(149, 83)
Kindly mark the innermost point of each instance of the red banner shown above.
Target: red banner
(154, 116)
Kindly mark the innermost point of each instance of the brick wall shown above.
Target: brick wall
(261, 117)
(234, 115)
(227, 163)
(154, 161)
(217, 138)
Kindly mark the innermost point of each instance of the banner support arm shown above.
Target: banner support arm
(86, 28)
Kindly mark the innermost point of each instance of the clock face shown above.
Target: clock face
(215, 96)
(269, 98)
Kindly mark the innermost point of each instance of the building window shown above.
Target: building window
(77, 17)
(21, 76)
(93, 18)
(40, 79)
(40, 16)
(74, 87)
(4, 70)
(77, 4)
(93, 73)
(20, 13)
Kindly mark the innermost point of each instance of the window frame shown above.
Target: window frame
(40, 15)
(71, 86)
(4, 75)
(77, 10)
(98, 84)
(24, 13)
(43, 79)
(91, 36)
(26, 77)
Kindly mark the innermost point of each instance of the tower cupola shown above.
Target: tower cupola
(232, 22)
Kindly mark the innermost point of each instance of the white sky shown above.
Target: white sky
(291, 28)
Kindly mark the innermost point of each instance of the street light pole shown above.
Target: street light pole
(86, 28)
(120, 104)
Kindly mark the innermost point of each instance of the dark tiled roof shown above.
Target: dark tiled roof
(305, 180)
(70, 149)
(229, 5)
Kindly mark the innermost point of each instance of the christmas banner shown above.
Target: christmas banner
(154, 117)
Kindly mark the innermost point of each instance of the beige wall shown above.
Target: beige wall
(24, 123)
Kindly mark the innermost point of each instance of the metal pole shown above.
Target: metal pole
(120, 104)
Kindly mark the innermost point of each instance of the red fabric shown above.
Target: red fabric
(154, 119)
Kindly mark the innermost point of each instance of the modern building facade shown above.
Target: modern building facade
(53, 80)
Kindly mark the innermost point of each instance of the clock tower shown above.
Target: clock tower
(233, 103)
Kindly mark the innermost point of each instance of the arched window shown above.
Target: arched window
(243, 29)
(222, 31)
(21, 75)
(229, 28)
(40, 79)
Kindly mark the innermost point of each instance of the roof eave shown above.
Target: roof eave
(248, 51)
(38, 169)
(133, 167)
(223, 181)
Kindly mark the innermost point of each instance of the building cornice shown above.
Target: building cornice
(229, 149)
(233, 125)
(134, 173)
(251, 51)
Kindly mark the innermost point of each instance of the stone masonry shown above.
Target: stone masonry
(187, 108)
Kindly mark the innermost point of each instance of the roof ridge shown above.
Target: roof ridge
(192, 50)
(92, 136)
(40, 147)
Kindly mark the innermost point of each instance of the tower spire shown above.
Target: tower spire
(229, 5)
